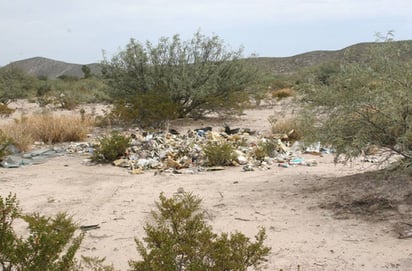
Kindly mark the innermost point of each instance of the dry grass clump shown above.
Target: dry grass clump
(286, 126)
(283, 93)
(5, 110)
(19, 136)
(47, 128)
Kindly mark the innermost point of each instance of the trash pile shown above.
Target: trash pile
(184, 153)
(172, 152)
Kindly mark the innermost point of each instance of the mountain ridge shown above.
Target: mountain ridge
(50, 68)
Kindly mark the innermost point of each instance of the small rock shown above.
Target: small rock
(242, 160)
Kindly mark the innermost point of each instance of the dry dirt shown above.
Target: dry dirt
(328, 217)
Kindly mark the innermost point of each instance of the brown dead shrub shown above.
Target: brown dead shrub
(283, 93)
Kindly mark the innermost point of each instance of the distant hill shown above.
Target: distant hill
(359, 52)
(40, 66)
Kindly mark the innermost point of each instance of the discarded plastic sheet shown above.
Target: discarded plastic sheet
(31, 158)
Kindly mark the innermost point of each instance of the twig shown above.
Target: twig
(90, 227)
(242, 219)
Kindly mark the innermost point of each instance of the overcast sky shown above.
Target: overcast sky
(77, 31)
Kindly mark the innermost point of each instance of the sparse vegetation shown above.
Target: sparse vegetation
(5, 110)
(359, 107)
(68, 94)
(179, 238)
(364, 103)
(283, 93)
(50, 245)
(265, 149)
(14, 84)
(289, 126)
(219, 153)
(5, 141)
(47, 128)
(111, 147)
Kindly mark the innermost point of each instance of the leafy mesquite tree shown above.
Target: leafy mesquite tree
(195, 77)
(14, 84)
(364, 102)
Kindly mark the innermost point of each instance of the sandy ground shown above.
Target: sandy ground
(286, 201)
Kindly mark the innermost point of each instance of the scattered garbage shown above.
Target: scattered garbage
(183, 153)
(371, 159)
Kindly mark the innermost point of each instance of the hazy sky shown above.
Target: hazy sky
(77, 31)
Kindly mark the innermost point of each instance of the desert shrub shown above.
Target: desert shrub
(219, 153)
(66, 100)
(5, 110)
(50, 245)
(179, 238)
(19, 134)
(55, 129)
(145, 110)
(364, 103)
(15, 84)
(5, 141)
(87, 72)
(95, 264)
(270, 86)
(290, 126)
(47, 128)
(43, 94)
(283, 93)
(111, 147)
(264, 149)
(68, 94)
(196, 74)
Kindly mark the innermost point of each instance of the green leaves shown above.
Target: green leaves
(111, 147)
(365, 102)
(197, 75)
(14, 84)
(219, 153)
(50, 245)
(180, 239)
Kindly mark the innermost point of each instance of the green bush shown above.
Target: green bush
(180, 239)
(363, 103)
(145, 110)
(219, 154)
(68, 94)
(200, 75)
(15, 84)
(50, 245)
(110, 148)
